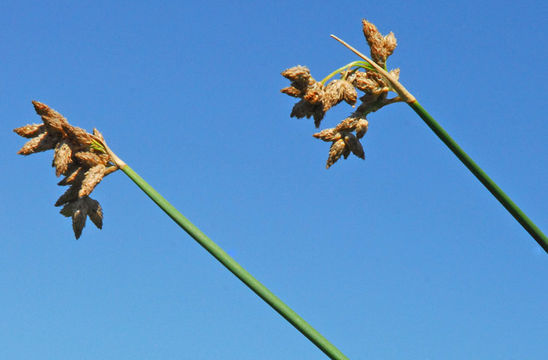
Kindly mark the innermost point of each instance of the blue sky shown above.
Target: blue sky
(402, 256)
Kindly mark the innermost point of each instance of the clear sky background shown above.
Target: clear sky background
(402, 256)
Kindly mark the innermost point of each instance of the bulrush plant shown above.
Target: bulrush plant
(371, 78)
(84, 159)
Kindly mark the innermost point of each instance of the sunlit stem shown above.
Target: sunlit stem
(358, 64)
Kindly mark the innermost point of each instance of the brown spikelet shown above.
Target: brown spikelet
(297, 74)
(354, 145)
(347, 125)
(62, 158)
(374, 39)
(292, 91)
(337, 91)
(395, 73)
(350, 95)
(53, 121)
(42, 142)
(30, 131)
(92, 177)
(389, 44)
(381, 46)
(78, 222)
(72, 174)
(95, 212)
(70, 195)
(314, 93)
(79, 210)
(88, 158)
(346, 152)
(368, 82)
(68, 209)
(328, 135)
(361, 128)
(305, 109)
(78, 135)
(335, 152)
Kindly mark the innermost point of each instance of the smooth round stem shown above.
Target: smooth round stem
(314, 336)
(504, 199)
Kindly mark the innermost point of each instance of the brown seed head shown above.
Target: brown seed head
(31, 130)
(42, 142)
(381, 47)
(62, 157)
(73, 173)
(354, 145)
(71, 194)
(298, 74)
(328, 135)
(314, 93)
(337, 91)
(305, 109)
(55, 122)
(361, 128)
(293, 91)
(78, 135)
(335, 152)
(88, 158)
(92, 178)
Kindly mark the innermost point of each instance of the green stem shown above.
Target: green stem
(358, 63)
(512, 208)
(314, 336)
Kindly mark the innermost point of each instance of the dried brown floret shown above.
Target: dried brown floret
(95, 212)
(31, 130)
(328, 135)
(390, 44)
(297, 74)
(78, 135)
(337, 91)
(354, 145)
(79, 210)
(335, 152)
(88, 158)
(361, 128)
(369, 82)
(73, 173)
(62, 157)
(78, 222)
(346, 152)
(395, 73)
(314, 93)
(293, 91)
(92, 177)
(42, 142)
(347, 125)
(55, 122)
(70, 195)
(381, 47)
(305, 109)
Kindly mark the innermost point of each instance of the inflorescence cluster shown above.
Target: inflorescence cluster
(317, 97)
(79, 156)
